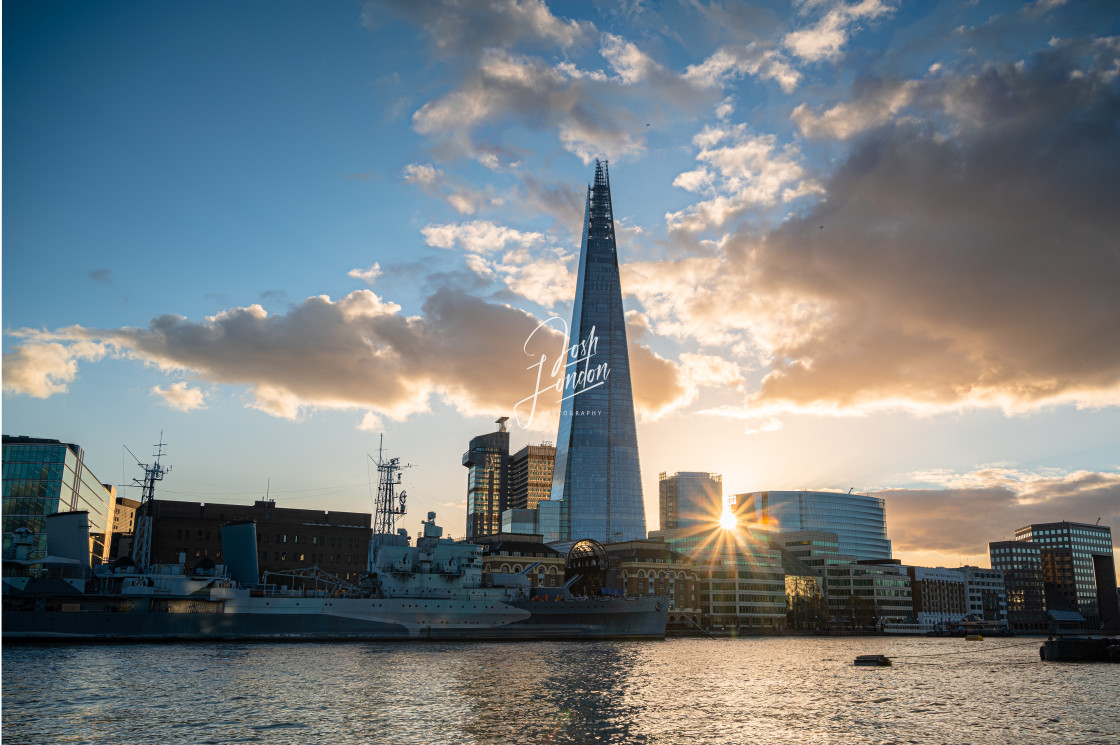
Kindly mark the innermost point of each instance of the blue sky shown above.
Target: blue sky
(864, 244)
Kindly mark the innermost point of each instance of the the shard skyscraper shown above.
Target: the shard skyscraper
(596, 477)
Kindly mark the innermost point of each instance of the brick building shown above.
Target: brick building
(287, 538)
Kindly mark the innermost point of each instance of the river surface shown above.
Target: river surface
(748, 690)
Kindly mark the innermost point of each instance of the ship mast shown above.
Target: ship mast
(142, 537)
(389, 505)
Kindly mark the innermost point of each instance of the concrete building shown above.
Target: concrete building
(597, 484)
(986, 594)
(868, 594)
(742, 584)
(530, 475)
(1067, 551)
(42, 477)
(287, 538)
(487, 461)
(690, 498)
(859, 521)
(1020, 562)
(939, 595)
(124, 527)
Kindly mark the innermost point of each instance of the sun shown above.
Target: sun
(727, 521)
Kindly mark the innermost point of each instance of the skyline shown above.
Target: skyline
(864, 245)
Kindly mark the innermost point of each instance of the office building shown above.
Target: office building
(42, 477)
(530, 475)
(1021, 565)
(287, 538)
(869, 594)
(859, 521)
(986, 594)
(742, 582)
(487, 459)
(939, 595)
(1067, 550)
(597, 479)
(690, 498)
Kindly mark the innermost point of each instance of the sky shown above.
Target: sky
(868, 245)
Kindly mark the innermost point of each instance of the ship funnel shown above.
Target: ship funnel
(68, 536)
(239, 551)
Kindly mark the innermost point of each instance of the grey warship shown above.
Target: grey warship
(432, 589)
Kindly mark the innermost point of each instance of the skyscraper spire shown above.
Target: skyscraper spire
(596, 475)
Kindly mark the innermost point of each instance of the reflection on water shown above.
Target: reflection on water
(784, 690)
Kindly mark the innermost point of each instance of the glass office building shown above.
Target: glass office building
(42, 477)
(487, 459)
(597, 477)
(690, 498)
(1067, 551)
(859, 521)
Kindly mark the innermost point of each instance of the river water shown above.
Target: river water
(733, 691)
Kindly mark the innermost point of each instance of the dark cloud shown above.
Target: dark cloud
(358, 352)
(964, 519)
(975, 259)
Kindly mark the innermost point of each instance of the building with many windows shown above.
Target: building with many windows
(287, 538)
(1067, 551)
(868, 594)
(690, 498)
(1020, 562)
(42, 477)
(487, 461)
(859, 521)
(530, 476)
(596, 484)
(742, 583)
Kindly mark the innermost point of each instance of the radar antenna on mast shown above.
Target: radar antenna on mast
(389, 505)
(142, 536)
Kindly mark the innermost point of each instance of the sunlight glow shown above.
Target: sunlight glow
(728, 521)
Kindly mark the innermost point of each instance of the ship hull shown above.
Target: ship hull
(339, 620)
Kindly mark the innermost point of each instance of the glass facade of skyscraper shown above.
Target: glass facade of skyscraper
(859, 521)
(1067, 554)
(487, 459)
(597, 475)
(42, 477)
(690, 498)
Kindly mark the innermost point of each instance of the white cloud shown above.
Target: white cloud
(181, 397)
(367, 275)
(732, 62)
(831, 32)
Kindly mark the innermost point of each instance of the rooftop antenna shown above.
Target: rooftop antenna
(389, 505)
(142, 540)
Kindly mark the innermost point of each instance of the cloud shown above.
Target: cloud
(730, 62)
(357, 353)
(367, 275)
(181, 397)
(824, 39)
(458, 27)
(739, 171)
(878, 102)
(966, 260)
(436, 184)
(519, 259)
(989, 504)
(47, 363)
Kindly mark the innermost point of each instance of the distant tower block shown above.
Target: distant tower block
(596, 476)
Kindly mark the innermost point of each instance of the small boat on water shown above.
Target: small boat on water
(873, 660)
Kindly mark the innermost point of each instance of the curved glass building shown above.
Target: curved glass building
(596, 477)
(859, 521)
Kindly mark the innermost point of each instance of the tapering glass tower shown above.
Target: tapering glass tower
(596, 477)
